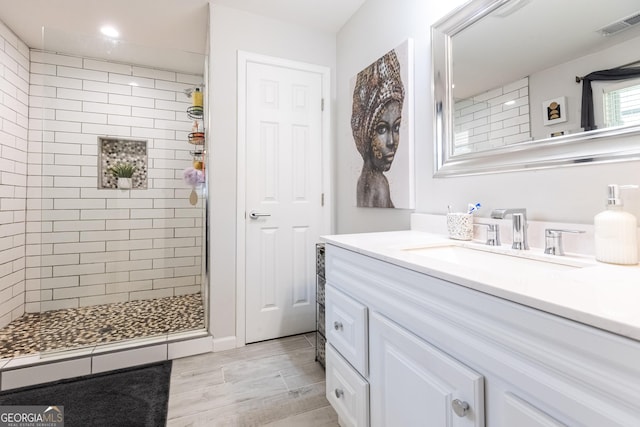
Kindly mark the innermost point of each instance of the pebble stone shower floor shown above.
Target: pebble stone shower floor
(100, 324)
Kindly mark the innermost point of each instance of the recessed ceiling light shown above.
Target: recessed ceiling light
(109, 31)
(510, 102)
(133, 84)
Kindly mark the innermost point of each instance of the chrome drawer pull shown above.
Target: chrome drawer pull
(339, 393)
(460, 408)
(337, 325)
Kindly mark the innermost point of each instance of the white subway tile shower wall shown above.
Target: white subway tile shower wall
(14, 112)
(486, 121)
(103, 245)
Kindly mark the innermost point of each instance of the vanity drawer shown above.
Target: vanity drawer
(347, 391)
(347, 329)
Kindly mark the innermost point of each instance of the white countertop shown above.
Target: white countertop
(597, 294)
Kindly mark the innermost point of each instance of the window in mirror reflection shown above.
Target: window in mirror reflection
(621, 103)
(496, 118)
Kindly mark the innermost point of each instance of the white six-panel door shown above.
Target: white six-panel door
(283, 199)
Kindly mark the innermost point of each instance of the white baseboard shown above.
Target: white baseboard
(190, 347)
(224, 343)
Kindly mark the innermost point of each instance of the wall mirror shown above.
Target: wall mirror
(508, 90)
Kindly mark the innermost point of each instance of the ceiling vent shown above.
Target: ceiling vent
(621, 25)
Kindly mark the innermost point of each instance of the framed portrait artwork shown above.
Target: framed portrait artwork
(381, 162)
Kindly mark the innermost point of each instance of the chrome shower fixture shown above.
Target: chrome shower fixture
(189, 91)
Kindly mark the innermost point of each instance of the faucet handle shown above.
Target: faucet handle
(493, 233)
(553, 240)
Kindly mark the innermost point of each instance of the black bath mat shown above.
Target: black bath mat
(132, 397)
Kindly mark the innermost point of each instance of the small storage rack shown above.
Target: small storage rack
(321, 339)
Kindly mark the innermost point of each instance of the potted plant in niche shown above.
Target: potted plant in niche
(123, 173)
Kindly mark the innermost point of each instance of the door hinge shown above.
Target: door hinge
(322, 199)
(322, 104)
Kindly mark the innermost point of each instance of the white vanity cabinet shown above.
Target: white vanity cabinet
(415, 384)
(374, 363)
(439, 354)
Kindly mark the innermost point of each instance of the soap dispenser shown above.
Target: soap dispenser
(616, 231)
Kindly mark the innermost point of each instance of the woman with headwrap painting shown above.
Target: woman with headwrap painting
(375, 123)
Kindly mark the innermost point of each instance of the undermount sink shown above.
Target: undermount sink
(493, 258)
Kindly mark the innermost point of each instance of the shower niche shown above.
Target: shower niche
(116, 154)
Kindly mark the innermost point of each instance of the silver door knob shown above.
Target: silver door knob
(339, 393)
(337, 325)
(460, 408)
(256, 215)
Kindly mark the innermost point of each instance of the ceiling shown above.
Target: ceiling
(324, 15)
(155, 33)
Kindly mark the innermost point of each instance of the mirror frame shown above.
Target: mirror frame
(596, 146)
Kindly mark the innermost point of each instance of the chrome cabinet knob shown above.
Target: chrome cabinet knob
(337, 325)
(460, 408)
(339, 393)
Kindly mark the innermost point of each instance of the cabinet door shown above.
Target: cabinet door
(346, 326)
(412, 383)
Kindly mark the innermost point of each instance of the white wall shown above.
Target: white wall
(88, 245)
(375, 29)
(233, 30)
(14, 91)
(572, 194)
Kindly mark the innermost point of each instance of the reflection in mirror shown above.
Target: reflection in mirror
(620, 103)
(505, 87)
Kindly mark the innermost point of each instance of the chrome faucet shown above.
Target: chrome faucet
(520, 240)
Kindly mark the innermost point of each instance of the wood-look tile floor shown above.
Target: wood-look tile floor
(274, 383)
